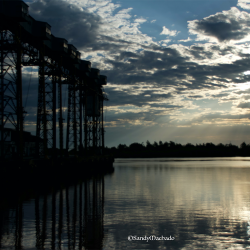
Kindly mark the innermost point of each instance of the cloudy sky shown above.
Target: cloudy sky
(178, 70)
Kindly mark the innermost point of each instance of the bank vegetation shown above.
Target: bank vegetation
(172, 149)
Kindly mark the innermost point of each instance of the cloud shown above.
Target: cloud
(200, 52)
(244, 105)
(140, 20)
(149, 80)
(185, 40)
(91, 26)
(164, 42)
(138, 97)
(77, 25)
(223, 26)
(244, 4)
(220, 95)
(218, 118)
(168, 67)
(247, 91)
(168, 32)
(195, 96)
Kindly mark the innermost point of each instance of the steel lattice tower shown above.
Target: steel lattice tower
(93, 117)
(73, 122)
(27, 42)
(11, 108)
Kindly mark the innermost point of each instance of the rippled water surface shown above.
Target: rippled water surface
(184, 203)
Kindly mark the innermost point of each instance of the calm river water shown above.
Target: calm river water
(174, 203)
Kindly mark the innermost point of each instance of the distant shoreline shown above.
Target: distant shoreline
(173, 150)
(179, 157)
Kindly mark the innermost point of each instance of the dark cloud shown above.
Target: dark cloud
(229, 99)
(244, 105)
(195, 96)
(128, 97)
(247, 91)
(172, 69)
(220, 95)
(221, 30)
(76, 25)
(126, 55)
(200, 53)
(224, 26)
(223, 50)
(246, 97)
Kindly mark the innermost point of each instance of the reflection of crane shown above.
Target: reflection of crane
(25, 41)
(73, 216)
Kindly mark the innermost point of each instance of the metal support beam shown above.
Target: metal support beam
(94, 127)
(41, 129)
(74, 115)
(85, 118)
(99, 122)
(93, 121)
(80, 116)
(102, 125)
(54, 115)
(60, 112)
(19, 94)
(11, 109)
(2, 94)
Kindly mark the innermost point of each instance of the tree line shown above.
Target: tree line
(172, 149)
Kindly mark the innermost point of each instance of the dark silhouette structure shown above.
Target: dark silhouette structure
(25, 41)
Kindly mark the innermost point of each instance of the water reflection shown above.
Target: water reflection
(203, 204)
(68, 218)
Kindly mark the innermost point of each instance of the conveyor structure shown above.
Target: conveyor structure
(25, 41)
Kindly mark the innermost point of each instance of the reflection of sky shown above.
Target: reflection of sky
(194, 201)
(202, 202)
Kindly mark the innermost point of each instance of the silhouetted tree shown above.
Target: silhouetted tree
(122, 146)
(209, 145)
(149, 145)
(172, 149)
(136, 146)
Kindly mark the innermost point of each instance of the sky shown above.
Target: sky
(177, 70)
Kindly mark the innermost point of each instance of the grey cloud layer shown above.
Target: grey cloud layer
(174, 70)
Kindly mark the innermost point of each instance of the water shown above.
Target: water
(195, 203)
